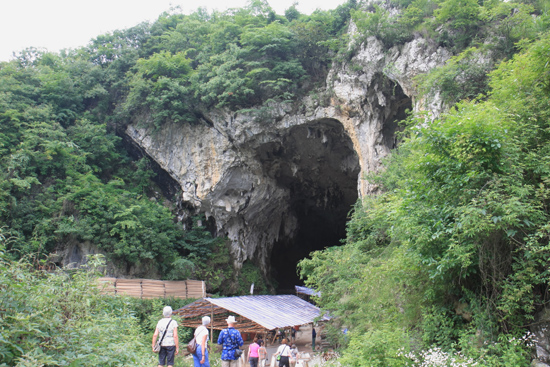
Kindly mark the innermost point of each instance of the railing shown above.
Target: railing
(149, 288)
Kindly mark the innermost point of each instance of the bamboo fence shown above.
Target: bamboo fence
(149, 288)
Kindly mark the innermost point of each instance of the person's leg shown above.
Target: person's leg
(197, 357)
(171, 352)
(206, 359)
(226, 363)
(162, 357)
(283, 362)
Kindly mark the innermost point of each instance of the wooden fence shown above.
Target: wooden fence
(149, 288)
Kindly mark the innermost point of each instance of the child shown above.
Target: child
(262, 353)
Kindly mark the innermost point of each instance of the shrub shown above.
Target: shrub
(376, 348)
(60, 319)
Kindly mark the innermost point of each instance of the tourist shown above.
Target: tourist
(230, 339)
(252, 355)
(313, 336)
(284, 352)
(167, 329)
(262, 353)
(294, 354)
(200, 357)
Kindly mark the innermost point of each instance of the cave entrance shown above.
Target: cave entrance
(319, 167)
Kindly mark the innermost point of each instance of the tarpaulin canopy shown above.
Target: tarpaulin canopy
(253, 313)
(307, 291)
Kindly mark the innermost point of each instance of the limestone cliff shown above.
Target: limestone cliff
(289, 178)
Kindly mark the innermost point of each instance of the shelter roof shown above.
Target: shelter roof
(307, 291)
(254, 313)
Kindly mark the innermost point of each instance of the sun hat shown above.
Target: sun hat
(231, 320)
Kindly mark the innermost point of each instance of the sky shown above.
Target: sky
(59, 24)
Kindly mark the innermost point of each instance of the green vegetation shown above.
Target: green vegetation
(452, 256)
(454, 24)
(60, 319)
(66, 176)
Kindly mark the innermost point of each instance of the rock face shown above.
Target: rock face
(281, 185)
(540, 332)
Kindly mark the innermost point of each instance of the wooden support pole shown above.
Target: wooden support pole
(211, 322)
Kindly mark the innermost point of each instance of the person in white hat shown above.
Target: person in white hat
(230, 339)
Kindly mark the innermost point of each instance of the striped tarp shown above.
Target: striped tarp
(253, 312)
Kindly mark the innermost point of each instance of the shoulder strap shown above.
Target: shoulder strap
(201, 330)
(165, 330)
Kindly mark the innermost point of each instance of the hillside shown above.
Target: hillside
(394, 153)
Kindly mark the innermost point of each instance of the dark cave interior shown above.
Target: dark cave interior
(317, 164)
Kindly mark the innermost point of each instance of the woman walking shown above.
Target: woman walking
(284, 352)
(252, 355)
(200, 357)
(167, 331)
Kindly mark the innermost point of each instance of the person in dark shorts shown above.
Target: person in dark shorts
(167, 330)
(284, 352)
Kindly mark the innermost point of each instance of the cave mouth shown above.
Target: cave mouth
(319, 168)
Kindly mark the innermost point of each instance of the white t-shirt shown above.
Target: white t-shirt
(284, 350)
(200, 332)
(168, 340)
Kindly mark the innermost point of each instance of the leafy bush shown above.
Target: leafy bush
(251, 274)
(159, 87)
(450, 255)
(376, 348)
(379, 23)
(59, 318)
(210, 256)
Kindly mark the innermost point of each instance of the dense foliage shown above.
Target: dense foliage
(478, 33)
(453, 253)
(238, 59)
(60, 319)
(66, 177)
